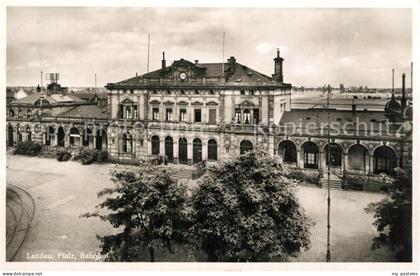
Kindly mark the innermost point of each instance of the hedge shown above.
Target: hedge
(90, 156)
(28, 148)
(311, 177)
(63, 156)
(365, 182)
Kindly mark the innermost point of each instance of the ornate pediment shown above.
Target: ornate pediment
(212, 103)
(182, 103)
(197, 103)
(168, 103)
(127, 101)
(155, 102)
(247, 103)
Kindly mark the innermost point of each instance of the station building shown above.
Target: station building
(192, 111)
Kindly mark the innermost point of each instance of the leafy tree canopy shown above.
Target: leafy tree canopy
(393, 218)
(149, 207)
(246, 210)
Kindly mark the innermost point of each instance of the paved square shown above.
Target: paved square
(63, 191)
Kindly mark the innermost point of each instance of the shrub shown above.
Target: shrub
(102, 156)
(296, 175)
(311, 177)
(368, 182)
(199, 170)
(28, 148)
(63, 156)
(90, 156)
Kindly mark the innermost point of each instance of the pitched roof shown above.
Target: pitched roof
(340, 120)
(52, 98)
(85, 111)
(234, 74)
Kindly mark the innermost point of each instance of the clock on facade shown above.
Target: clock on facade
(182, 76)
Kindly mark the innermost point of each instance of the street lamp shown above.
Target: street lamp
(327, 108)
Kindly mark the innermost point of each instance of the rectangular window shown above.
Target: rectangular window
(155, 115)
(182, 115)
(197, 115)
(135, 113)
(169, 114)
(212, 116)
(238, 115)
(256, 116)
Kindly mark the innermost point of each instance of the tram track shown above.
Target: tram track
(22, 226)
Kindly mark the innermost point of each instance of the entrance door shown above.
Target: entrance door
(197, 151)
(169, 149)
(60, 137)
(182, 151)
(10, 136)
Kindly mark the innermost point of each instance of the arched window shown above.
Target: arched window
(335, 155)
(128, 112)
(29, 113)
(11, 113)
(169, 149)
(183, 151)
(358, 157)
(212, 150)
(20, 113)
(155, 145)
(245, 146)
(384, 160)
(48, 133)
(74, 137)
(42, 102)
(127, 143)
(310, 155)
(19, 134)
(287, 151)
(197, 151)
(60, 137)
(28, 134)
(101, 139)
(247, 116)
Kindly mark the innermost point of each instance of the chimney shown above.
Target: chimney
(278, 67)
(232, 62)
(403, 99)
(196, 61)
(353, 107)
(163, 61)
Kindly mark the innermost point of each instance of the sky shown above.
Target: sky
(355, 47)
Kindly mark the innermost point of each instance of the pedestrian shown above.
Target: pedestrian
(166, 160)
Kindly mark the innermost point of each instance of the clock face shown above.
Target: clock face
(182, 76)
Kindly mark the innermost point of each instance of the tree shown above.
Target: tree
(149, 206)
(393, 218)
(246, 210)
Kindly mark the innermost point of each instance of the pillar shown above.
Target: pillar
(321, 160)
(298, 159)
(370, 168)
(176, 149)
(344, 162)
(162, 147)
(189, 151)
(204, 149)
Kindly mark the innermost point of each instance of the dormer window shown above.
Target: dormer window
(242, 92)
(154, 92)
